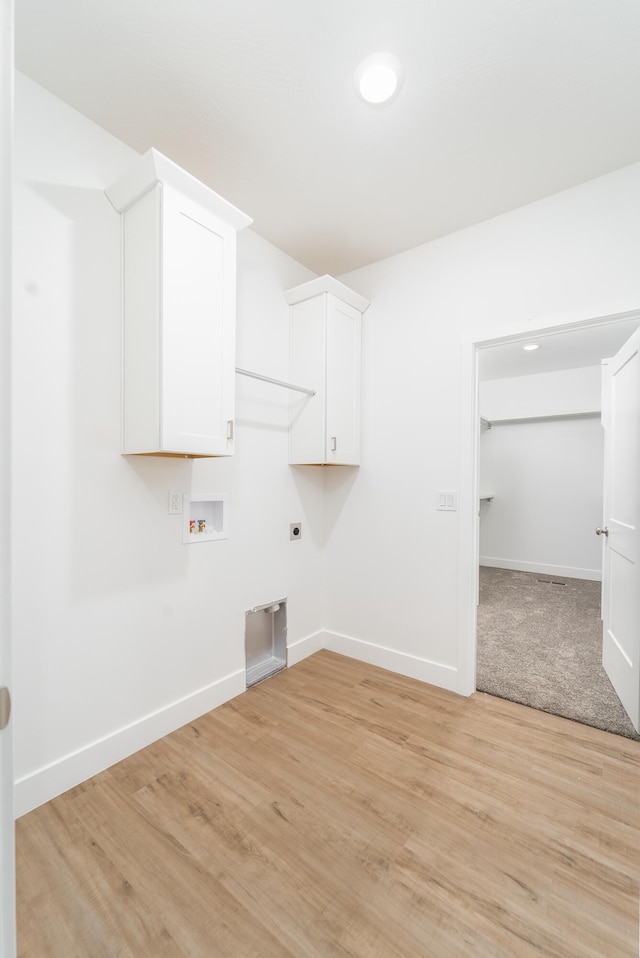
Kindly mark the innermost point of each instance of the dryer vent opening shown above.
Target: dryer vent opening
(265, 640)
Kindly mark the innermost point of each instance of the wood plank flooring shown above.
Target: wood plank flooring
(337, 809)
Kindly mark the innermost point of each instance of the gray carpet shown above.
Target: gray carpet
(540, 643)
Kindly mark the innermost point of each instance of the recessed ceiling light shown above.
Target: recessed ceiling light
(531, 346)
(379, 77)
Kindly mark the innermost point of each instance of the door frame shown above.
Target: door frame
(7, 830)
(470, 460)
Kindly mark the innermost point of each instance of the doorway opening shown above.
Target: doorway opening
(566, 352)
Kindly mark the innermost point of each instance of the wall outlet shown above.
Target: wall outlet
(295, 530)
(175, 503)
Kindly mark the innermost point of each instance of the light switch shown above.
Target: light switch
(447, 500)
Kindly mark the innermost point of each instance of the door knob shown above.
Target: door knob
(602, 532)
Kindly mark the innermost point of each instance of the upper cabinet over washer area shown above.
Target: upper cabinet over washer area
(325, 330)
(179, 261)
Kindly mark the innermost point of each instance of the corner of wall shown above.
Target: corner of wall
(41, 785)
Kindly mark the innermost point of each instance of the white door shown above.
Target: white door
(344, 332)
(7, 855)
(621, 566)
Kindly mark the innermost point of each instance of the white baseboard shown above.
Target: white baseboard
(45, 783)
(51, 780)
(303, 648)
(569, 572)
(444, 676)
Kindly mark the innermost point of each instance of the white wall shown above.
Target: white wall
(546, 477)
(393, 561)
(547, 481)
(121, 631)
(566, 391)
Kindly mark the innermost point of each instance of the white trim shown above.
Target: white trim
(51, 780)
(435, 673)
(7, 837)
(326, 284)
(303, 648)
(518, 565)
(556, 323)
(45, 783)
(152, 168)
(469, 542)
(470, 426)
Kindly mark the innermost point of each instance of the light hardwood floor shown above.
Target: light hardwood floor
(337, 809)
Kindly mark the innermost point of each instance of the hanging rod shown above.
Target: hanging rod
(275, 382)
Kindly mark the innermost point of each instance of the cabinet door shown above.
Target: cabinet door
(198, 341)
(343, 331)
(307, 368)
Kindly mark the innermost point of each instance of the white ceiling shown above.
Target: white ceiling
(503, 102)
(561, 349)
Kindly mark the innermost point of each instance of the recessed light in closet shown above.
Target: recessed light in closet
(379, 77)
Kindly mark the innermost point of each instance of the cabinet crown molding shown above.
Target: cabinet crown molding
(326, 284)
(153, 167)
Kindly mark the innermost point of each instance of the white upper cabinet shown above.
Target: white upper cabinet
(326, 329)
(179, 305)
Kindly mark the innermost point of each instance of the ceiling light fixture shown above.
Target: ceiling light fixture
(530, 346)
(379, 77)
